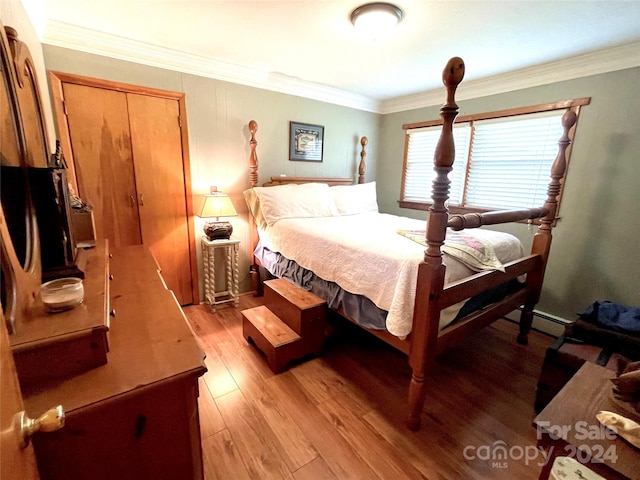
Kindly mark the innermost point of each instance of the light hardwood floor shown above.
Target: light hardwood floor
(341, 416)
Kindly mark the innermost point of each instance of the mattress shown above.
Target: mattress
(366, 256)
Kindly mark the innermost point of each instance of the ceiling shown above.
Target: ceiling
(310, 48)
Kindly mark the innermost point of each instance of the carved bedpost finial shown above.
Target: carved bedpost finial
(253, 156)
(362, 168)
(558, 170)
(452, 75)
(445, 153)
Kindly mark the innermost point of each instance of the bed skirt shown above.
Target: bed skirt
(358, 307)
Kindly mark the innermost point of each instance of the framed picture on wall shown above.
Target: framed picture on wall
(305, 142)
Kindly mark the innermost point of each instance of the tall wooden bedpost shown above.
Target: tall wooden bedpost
(542, 239)
(256, 285)
(253, 155)
(362, 168)
(431, 271)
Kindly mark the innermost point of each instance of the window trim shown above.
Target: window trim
(573, 104)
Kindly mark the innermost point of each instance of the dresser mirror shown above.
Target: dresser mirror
(13, 180)
(23, 145)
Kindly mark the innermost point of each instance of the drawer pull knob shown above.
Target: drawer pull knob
(49, 421)
(113, 312)
(111, 277)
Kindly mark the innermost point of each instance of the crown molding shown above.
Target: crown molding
(602, 61)
(65, 35)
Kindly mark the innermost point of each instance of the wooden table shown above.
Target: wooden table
(568, 427)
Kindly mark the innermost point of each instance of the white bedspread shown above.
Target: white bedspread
(365, 255)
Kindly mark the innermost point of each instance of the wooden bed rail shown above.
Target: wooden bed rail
(481, 282)
(454, 334)
(475, 220)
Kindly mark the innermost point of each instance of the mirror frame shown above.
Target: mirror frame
(21, 282)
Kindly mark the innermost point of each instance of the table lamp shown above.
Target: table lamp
(217, 204)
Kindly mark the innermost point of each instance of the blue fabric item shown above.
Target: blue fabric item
(611, 315)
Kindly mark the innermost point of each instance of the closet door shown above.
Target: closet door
(99, 133)
(160, 181)
(125, 144)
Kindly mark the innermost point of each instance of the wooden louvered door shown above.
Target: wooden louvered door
(127, 145)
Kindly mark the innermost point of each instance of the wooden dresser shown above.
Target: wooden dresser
(135, 417)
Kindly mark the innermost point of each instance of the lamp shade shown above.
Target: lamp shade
(217, 205)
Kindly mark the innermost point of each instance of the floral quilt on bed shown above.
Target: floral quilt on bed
(474, 252)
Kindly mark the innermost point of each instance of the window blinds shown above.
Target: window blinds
(419, 173)
(509, 161)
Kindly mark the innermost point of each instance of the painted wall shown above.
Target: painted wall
(594, 253)
(218, 114)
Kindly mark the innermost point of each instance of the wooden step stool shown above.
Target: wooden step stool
(289, 326)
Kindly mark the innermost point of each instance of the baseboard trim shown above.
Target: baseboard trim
(543, 322)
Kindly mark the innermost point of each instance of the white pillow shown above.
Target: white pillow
(354, 199)
(306, 200)
(253, 202)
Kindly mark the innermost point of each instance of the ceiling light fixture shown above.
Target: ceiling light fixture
(377, 18)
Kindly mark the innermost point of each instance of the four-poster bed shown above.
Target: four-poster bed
(433, 287)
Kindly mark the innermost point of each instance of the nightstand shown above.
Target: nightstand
(228, 248)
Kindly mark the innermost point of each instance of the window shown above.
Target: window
(419, 172)
(503, 159)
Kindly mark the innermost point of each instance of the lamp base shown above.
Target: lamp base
(218, 230)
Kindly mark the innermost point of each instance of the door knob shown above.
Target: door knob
(49, 421)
